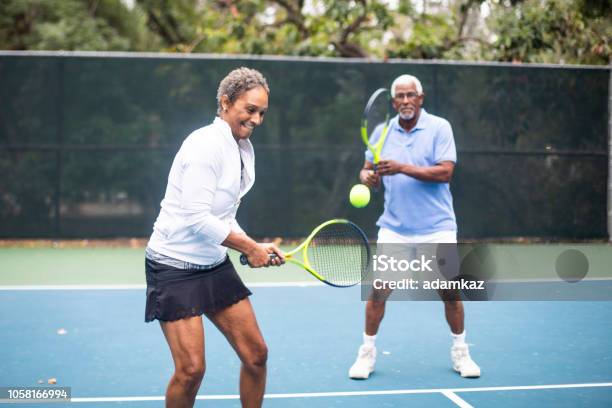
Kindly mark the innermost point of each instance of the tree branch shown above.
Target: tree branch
(295, 16)
(355, 24)
(345, 48)
(348, 50)
(156, 24)
(464, 11)
(173, 23)
(93, 7)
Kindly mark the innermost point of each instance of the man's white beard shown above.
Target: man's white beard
(407, 116)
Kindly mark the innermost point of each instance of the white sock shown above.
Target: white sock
(369, 341)
(458, 339)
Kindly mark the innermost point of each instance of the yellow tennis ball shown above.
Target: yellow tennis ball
(359, 196)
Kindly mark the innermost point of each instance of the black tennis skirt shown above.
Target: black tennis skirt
(174, 294)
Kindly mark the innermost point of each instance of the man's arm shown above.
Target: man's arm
(440, 173)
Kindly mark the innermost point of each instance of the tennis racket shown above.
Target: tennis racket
(336, 253)
(376, 115)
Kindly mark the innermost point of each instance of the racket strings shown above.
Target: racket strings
(340, 254)
(377, 113)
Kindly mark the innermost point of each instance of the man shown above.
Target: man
(420, 156)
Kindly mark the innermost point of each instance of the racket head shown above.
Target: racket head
(375, 121)
(337, 252)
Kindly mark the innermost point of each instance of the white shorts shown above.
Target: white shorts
(418, 247)
(386, 236)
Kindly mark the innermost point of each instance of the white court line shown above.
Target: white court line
(456, 399)
(71, 287)
(443, 391)
(142, 286)
(299, 284)
(547, 280)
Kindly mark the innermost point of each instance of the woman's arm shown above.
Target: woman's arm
(257, 254)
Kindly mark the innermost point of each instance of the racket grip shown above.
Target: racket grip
(375, 188)
(245, 261)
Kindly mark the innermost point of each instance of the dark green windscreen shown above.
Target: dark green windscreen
(86, 143)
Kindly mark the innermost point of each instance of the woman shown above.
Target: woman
(187, 268)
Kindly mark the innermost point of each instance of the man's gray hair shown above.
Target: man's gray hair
(406, 80)
(238, 82)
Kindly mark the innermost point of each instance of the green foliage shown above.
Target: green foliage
(101, 25)
(431, 37)
(341, 28)
(553, 31)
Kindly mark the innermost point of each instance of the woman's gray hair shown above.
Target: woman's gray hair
(238, 82)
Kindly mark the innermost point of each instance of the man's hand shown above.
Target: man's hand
(389, 167)
(370, 178)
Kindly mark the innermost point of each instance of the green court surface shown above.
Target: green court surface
(125, 266)
(540, 261)
(107, 266)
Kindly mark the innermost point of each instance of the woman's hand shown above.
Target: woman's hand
(259, 255)
(279, 259)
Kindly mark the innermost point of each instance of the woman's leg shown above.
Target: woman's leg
(186, 340)
(239, 325)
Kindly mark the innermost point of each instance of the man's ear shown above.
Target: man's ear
(422, 97)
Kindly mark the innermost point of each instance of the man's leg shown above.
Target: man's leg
(375, 312)
(239, 326)
(186, 340)
(366, 355)
(455, 316)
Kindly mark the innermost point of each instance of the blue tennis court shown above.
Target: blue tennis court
(544, 354)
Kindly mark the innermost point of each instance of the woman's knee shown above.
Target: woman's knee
(257, 356)
(191, 372)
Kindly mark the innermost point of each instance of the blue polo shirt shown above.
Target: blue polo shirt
(414, 207)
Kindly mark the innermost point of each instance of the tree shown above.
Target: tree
(452, 32)
(92, 25)
(335, 28)
(553, 31)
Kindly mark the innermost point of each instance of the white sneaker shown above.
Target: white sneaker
(463, 363)
(364, 365)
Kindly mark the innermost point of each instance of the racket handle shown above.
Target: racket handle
(375, 188)
(245, 261)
